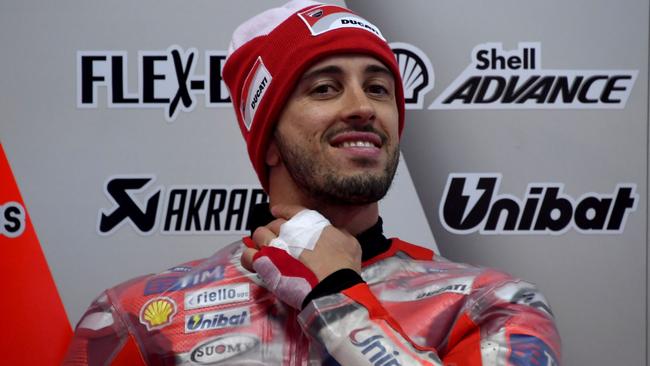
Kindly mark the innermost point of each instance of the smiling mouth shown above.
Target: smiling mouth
(357, 139)
(366, 144)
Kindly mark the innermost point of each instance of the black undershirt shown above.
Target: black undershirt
(372, 241)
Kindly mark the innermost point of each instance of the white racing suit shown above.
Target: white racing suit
(412, 308)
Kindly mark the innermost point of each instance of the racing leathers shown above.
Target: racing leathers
(409, 307)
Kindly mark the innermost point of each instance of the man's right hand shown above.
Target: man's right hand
(291, 279)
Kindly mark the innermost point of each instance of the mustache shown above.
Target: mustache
(329, 134)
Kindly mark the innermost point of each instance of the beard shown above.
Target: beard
(325, 184)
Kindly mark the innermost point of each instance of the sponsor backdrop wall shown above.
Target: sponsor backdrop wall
(526, 145)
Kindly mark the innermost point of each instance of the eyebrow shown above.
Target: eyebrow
(379, 69)
(336, 70)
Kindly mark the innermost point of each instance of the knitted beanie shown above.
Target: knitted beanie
(270, 52)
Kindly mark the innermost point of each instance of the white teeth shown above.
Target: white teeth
(357, 144)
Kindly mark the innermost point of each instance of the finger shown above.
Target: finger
(286, 211)
(262, 236)
(247, 258)
(275, 225)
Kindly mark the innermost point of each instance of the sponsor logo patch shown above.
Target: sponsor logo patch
(222, 348)
(326, 18)
(157, 313)
(255, 86)
(12, 219)
(462, 285)
(501, 79)
(471, 202)
(375, 347)
(529, 350)
(177, 281)
(188, 209)
(523, 293)
(212, 296)
(217, 320)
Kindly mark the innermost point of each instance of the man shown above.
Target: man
(319, 100)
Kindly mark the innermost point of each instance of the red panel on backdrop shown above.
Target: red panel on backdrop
(34, 328)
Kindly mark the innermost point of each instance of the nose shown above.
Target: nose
(357, 108)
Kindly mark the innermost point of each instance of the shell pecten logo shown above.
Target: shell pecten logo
(158, 312)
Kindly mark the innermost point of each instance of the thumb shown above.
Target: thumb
(247, 258)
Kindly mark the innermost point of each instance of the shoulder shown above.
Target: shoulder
(172, 286)
(480, 281)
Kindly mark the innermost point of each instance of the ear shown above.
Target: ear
(272, 154)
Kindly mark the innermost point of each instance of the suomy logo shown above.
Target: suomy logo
(186, 210)
(500, 79)
(471, 203)
(222, 348)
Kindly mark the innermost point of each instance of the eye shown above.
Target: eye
(324, 90)
(377, 89)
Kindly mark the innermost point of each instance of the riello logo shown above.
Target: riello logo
(472, 203)
(497, 78)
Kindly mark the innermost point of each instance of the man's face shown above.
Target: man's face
(338, 133)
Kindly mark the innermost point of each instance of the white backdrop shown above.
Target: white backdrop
(471, 116)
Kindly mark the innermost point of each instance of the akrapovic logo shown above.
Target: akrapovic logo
(472, 202)
(166, 79)
(12, 219)
(500, 79)
(186, 209)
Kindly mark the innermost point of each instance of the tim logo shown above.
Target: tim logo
(514, 79)
(179, 209)
(166, 79)
(12, 219)
(416, 71)
(471, 203)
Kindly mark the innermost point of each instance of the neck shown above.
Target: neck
(354, 219)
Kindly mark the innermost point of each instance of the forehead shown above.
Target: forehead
(346, 64)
